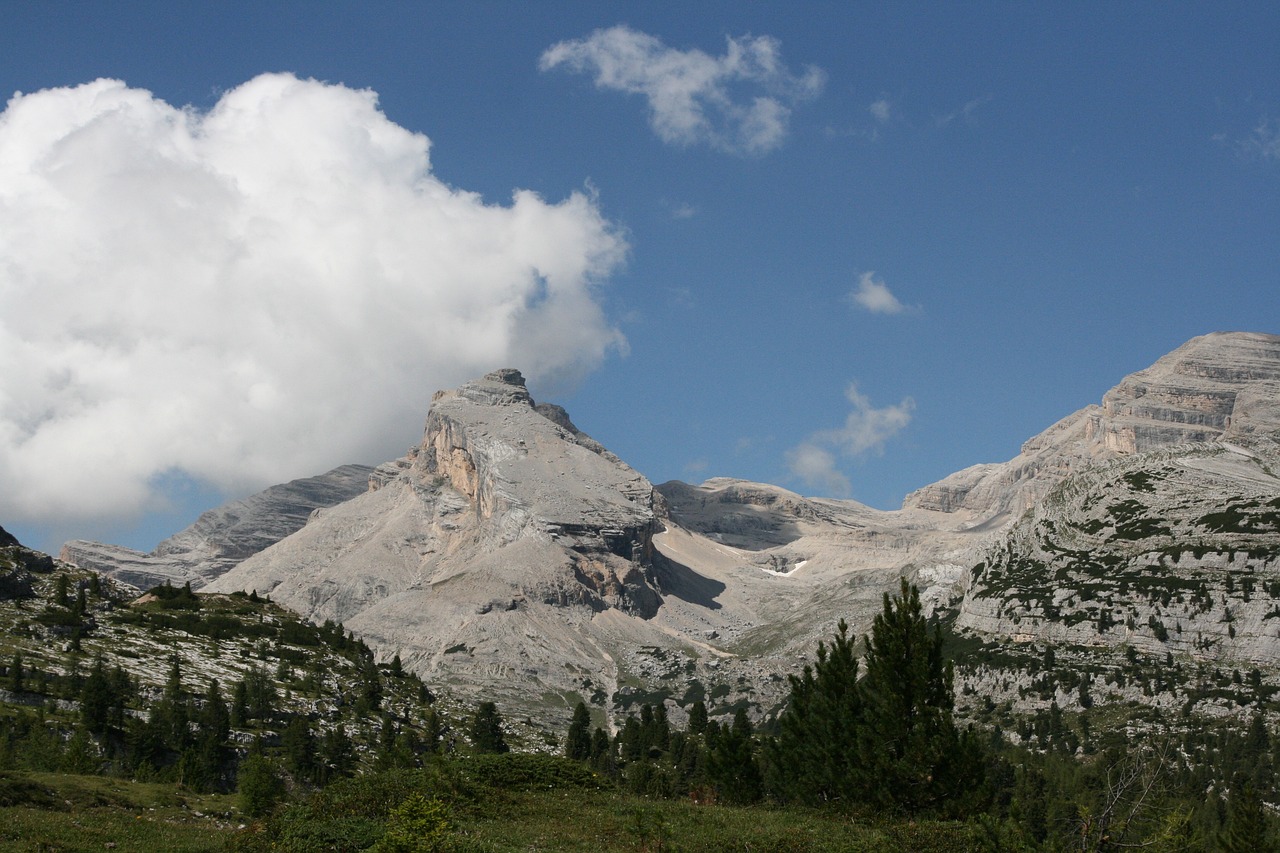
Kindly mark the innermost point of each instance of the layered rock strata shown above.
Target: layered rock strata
(221, 538)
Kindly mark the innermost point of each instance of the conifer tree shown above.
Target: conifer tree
(96, 700)
(908, 743)
(698, 717)
(259, 786)
(486, 729)
(16, 675)
(578, 742)
(815, 757)
(732, 763)
(432, 731)
(1246, 830)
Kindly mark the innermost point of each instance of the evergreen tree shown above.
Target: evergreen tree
(815, 757)
(578, 742)
(215, 718)
(486, 729)
(908, 743)
(16, 675)
(299, 746)
(337, 753)
(1246, 830)
(698, 717)
(432, 731)
(732, 763)
(96, 700)
(239, 705)
(258, 785)
(61, 590)
(172, 714)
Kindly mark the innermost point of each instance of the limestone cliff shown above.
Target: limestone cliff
(1217, 387)
(222, 537)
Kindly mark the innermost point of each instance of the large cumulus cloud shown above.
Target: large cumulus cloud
(255, 292)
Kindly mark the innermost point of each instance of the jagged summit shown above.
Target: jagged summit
(513, 529)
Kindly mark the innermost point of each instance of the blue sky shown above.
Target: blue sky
(1033, 200)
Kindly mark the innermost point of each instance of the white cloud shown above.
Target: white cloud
(964, 112)
(1264, 142)
(255, 293)
(881, 110)
(873, 295)
(817, 468)
(866, 430)
(740, 102)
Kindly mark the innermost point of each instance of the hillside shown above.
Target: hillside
(512, 556)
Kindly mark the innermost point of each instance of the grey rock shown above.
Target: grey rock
(221, 538)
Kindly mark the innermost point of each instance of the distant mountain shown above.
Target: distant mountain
(510, 556)
(222, 537)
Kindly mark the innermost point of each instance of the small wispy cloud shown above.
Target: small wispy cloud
(738, 103)
(874, 295)
(816, 468)
(684, 210)
(866, 429)
(1264, 142)
(881, 110)
(964, 112)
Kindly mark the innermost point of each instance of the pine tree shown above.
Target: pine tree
(908, 742)
(432, 731)
(732, 763)
(16, 675)
(578, 742)
(486, 729)
(299, 747)
(259, 786)
(815, 758)
(1246, 830)
(214, 717)
(96, 700)
(698, 717)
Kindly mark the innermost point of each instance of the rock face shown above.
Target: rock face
(1217, 387)
(511, 557)
(222, 537)
(504, 551)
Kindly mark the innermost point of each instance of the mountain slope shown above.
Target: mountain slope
(222, 537)
(511, 556)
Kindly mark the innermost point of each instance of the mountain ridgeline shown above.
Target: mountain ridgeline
(1130, 554)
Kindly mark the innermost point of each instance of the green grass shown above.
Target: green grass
(55, 812)
(590, 821)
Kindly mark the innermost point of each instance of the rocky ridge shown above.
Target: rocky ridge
(510, 556)
(221, 538)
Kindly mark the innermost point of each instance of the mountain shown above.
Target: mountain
(510, 556)
(222, 537)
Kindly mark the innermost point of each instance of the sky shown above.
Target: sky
(846, 248)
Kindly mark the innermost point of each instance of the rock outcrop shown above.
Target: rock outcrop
(501, 553)
(510, 556)
(1217, 387)
(221, 538)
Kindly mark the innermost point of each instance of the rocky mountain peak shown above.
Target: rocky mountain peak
(1223, 386)
(1190, 395)
(500, 388)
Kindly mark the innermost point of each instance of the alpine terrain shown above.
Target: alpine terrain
(1130, 552)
